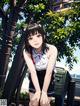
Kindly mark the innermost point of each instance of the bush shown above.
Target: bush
(24, 96)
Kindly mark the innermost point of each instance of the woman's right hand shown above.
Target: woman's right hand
(36, 98)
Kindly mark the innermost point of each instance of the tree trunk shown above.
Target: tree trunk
(6, 46)
(4, 25)
(7, 41)
(15, 72)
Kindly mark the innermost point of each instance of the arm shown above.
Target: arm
(31, 67)
(51, 64)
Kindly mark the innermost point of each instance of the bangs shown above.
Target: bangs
(32, 30)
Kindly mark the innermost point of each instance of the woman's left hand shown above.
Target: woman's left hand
(44, 101)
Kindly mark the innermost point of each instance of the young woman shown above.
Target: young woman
(40, 58)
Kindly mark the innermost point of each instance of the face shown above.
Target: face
(35, 40)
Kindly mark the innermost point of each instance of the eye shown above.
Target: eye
(38, 35)
(30, 38)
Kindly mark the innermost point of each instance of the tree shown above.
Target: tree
(63, 28)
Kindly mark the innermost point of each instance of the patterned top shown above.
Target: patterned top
(40, 60)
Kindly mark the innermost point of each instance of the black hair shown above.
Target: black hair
(31, 31)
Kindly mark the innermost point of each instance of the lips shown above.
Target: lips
(36, 44)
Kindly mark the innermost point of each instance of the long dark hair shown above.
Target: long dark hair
(32, 28)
